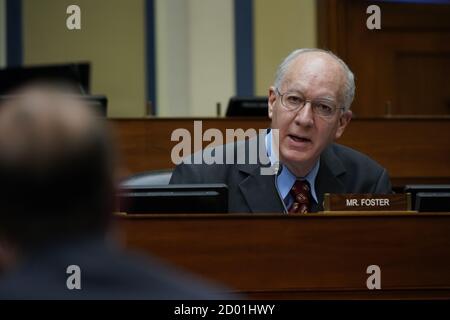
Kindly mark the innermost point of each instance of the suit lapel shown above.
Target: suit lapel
(329, 177)
(259, 191)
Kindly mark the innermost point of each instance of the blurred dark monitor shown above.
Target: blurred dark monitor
(73, 76)
(99, 103)
(433, 201)
(247, 107)
(182, 198)
(425, 190)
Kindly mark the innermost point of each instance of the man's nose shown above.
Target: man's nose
(305, 116)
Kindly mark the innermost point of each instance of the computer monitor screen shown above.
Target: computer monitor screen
(433, 201)
(98, 103)
(247, 107)
(74, 76)
(423, 195)
(182, 198)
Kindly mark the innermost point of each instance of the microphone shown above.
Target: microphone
(277, 168)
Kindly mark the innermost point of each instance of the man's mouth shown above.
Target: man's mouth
(299, 138)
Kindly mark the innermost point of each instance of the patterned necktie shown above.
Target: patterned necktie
(301, 193)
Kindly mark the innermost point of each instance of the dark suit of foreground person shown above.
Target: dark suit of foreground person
(309, 104)
(56, 203)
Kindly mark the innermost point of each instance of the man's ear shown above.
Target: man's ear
(271, 101)
(344, 120)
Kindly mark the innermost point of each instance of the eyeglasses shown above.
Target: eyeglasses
(293, 101)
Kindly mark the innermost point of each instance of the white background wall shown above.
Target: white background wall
(172, 52)
(195, 56)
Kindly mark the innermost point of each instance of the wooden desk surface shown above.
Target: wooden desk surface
(315, 256)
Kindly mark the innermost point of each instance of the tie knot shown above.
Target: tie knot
(300, 186)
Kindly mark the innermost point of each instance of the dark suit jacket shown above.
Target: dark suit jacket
(342, 170)
(106, 273)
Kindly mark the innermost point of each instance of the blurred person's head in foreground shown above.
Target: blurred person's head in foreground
(57, 172)
(56, 168)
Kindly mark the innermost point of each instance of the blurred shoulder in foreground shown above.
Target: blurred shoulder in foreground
(57, 167)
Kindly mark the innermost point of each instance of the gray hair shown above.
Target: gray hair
(349, 87)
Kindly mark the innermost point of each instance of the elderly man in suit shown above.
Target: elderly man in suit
(309, 107)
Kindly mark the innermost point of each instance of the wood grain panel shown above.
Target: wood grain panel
(413, 150)
(408, 57)
(423, 82)
(315, 256)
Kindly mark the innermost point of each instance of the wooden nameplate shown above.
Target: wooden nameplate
(367, 202)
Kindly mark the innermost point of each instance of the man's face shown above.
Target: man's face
(303, 135)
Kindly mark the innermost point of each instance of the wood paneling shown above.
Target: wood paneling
(413, 150)
(403, 68)
(406, 147)
(420, 81)
(314, 256)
